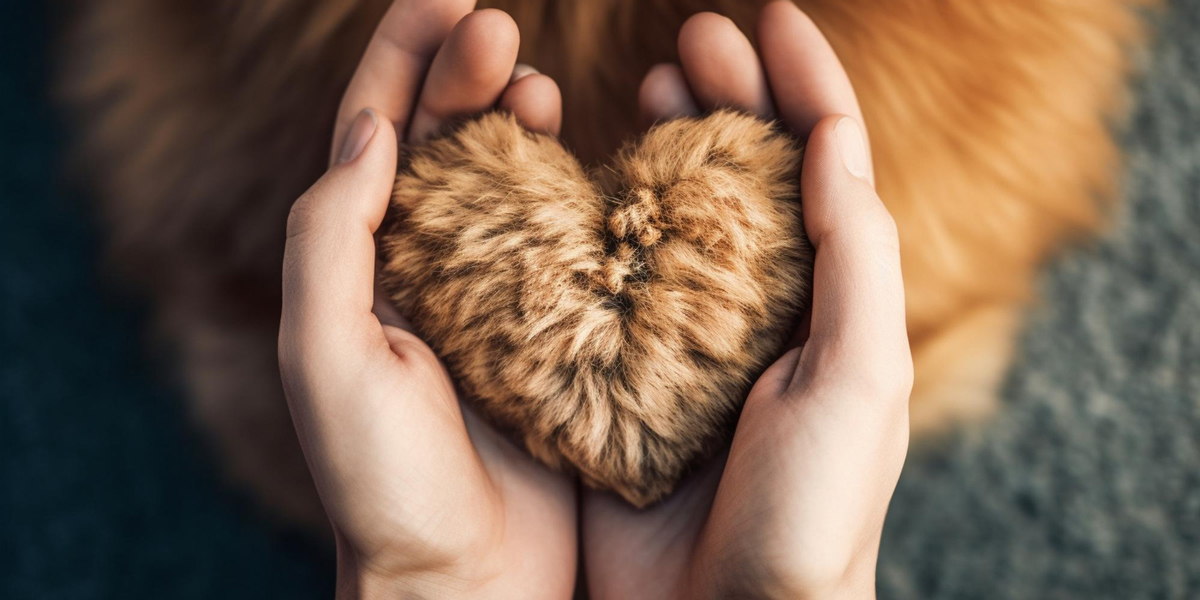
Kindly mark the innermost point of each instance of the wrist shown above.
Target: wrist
(855, 582)
(806, 580)
(362, 578)
(356, 583)
(356, 580)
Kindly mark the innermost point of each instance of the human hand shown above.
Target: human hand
(424, 499)
(795, 508)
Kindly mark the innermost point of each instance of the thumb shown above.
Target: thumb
(329, 256)
(858, 325)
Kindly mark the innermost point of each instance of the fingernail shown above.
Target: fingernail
(522, 70)
(852, 147)
(358, 135)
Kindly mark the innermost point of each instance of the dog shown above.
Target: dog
(200, 122)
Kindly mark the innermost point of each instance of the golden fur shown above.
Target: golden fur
(200, 123)
(615, 326)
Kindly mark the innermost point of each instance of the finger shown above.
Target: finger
(387, 314)
(535, 100)
(664, 95)
(858, 290)
(806, 77)
(329, 255)
(469, 72)
(722, 67)
(390, 73)
(520, 71)
(610, 527)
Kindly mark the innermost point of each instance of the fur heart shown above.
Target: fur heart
(613, 322)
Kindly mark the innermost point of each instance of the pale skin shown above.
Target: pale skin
(427, 501)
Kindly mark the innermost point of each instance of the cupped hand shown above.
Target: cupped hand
(424, 499)
(795, 508)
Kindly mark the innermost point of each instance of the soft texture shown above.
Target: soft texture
(202, 122)
(615, 325)
(1085, 486)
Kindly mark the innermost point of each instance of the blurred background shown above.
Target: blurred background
(106, 491)
(1086, 486)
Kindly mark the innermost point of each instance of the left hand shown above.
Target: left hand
(425, 500)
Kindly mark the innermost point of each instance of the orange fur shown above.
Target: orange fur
(615, 326)
(202, 122)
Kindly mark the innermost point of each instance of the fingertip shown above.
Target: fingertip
(427, 21)
(370, 138)
(805, 75)
(358, 134)
(664, 94)
(858, 286)
(390, 74)
(521, 70)
(483, 43)
(360, 186)
(835, 190)
(837, 146)
(780, 9)
(384, 143)
(852, 147)
(782, 18)
(821, 136)
(698, 30)
(492, 27)
(469, 73)
(722, 66)
(822, 161)
(535, 100)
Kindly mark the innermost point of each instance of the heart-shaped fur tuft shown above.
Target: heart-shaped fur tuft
(615, 322)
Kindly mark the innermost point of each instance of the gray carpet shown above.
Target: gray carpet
(1087, 486)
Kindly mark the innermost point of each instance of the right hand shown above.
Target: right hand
(795, 508)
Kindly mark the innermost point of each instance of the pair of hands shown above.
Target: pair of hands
(427, 500)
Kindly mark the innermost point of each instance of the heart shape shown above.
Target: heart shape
(615, 326)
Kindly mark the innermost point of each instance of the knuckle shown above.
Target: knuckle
(878, 380)
(901, 389)
(300, 217)
(289, 359)
(812, 572)
(879, 225)
(889, 381)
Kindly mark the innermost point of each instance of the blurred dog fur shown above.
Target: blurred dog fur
(201, 121)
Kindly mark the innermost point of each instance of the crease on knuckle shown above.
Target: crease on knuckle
(882, 381)
(876, 225)
(301, 217)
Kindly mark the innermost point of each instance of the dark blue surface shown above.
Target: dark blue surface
(106, 491)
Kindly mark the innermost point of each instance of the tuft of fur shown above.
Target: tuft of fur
(201, 122)
(616, 325)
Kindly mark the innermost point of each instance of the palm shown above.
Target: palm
(424, 499)
(660, 552)
(455, 470)
(647, 553)
(742, 526)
